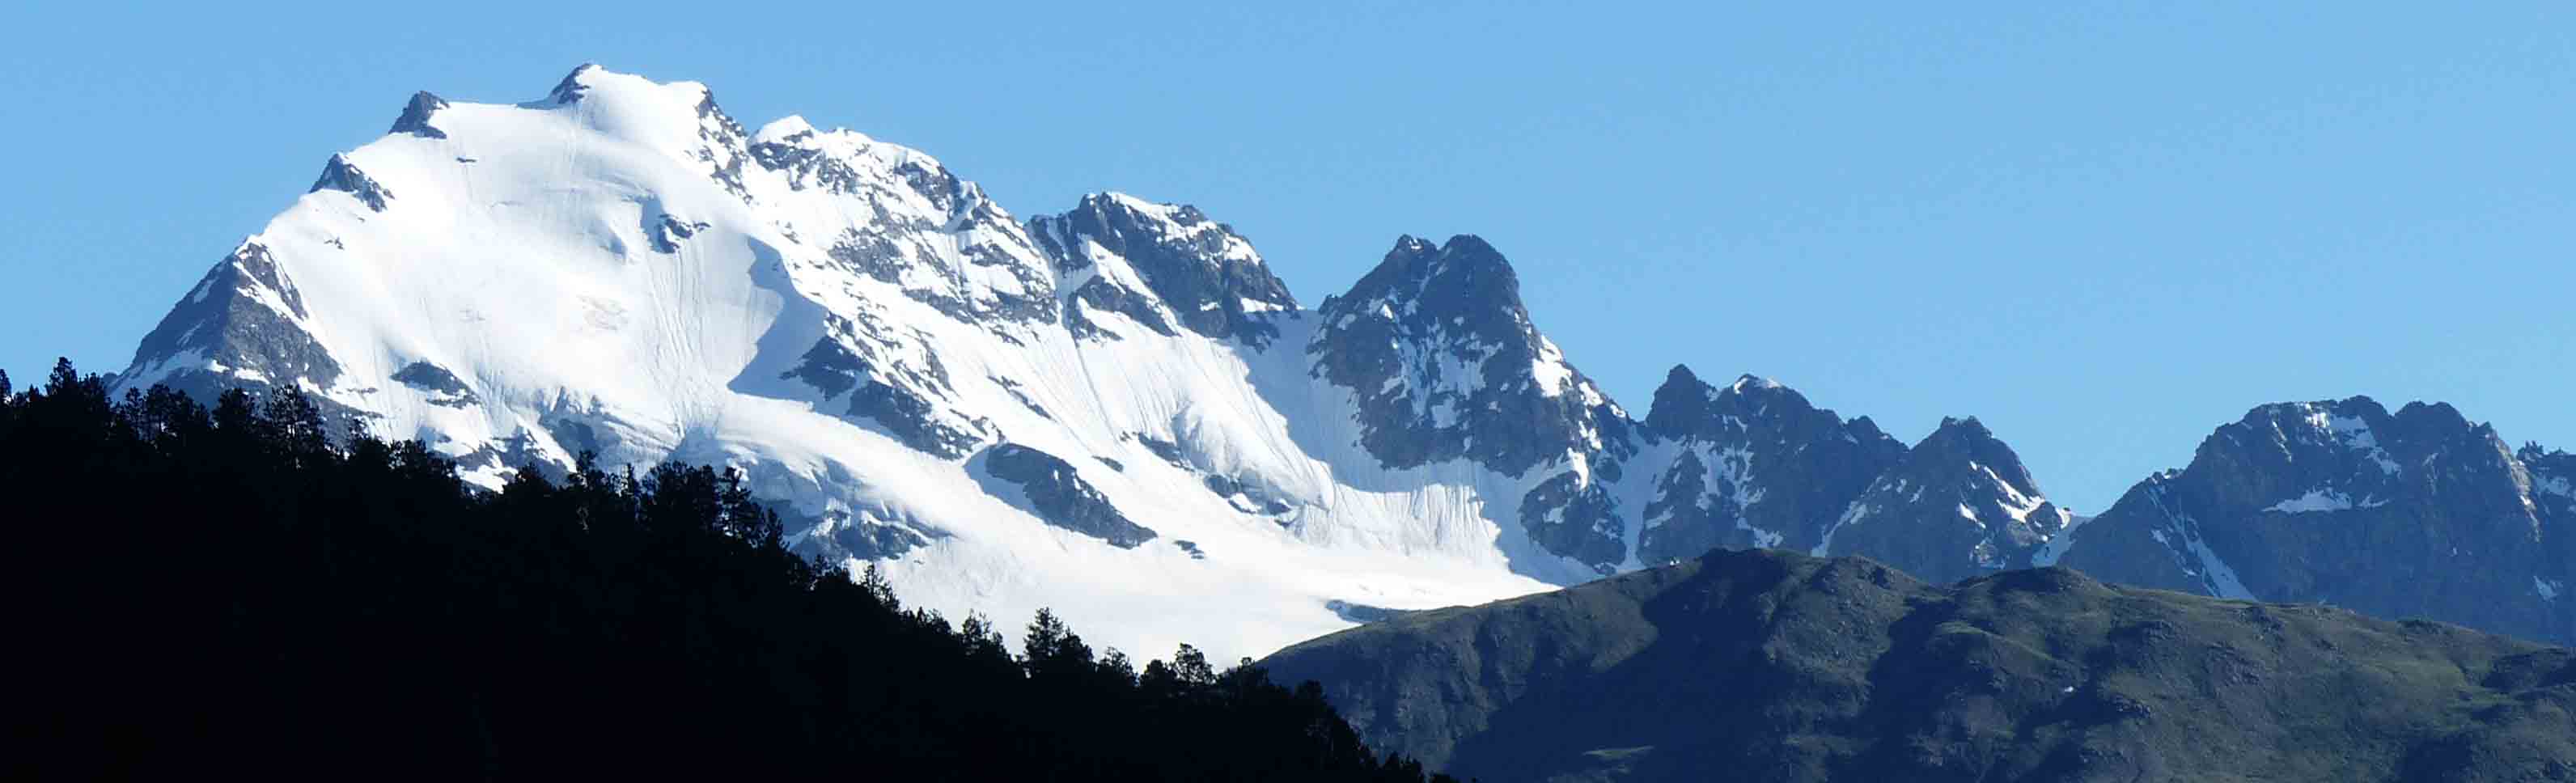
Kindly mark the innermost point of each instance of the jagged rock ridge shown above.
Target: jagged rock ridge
(2419, 513)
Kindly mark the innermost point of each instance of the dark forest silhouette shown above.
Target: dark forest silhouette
(235, 591)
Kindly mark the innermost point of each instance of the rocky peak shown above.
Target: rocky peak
(2552, 479)
(2312, 456)
(341, 175)
(895, 179)
(1681, 402)
(1444, 363)
(2551, 471)
(1967, 442)
(243, 325)
(1755, 465)
(2417, 512)
(916, 224)
(2352, 454)
(1685, 406)
(572, 88)
(817, 160)
(1464, 287)
(1203, 273)
(416, 114)
(2428, 416)
(1959, 504)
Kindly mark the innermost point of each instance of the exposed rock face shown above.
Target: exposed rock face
(842, 539)
(1959, 505)
(243, 325)
(341, 175)
(1755, 466)
(573, 87)
(1438, 350)
(1059, 495)
(1205, 275)
(935, 235)
(1572, 517)
(2415, 514)
(443, 387)
(1442, 363)
(668, 232)
(895, 386)
(416, 115)
(1780, 667)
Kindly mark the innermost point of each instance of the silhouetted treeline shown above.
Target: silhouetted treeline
(234, 592)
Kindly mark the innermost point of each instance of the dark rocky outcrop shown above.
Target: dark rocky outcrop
(839, 536)
(443, 387)
(1442, 359)
(890, 392)
(1201, 270)
(240, 327)
(416, 114)
(1757, 466)
(343, 176)
(1101, 295)
(570, 90)
(667, 232)
(1057, 494)
(1959, 505)
(1575, 518)
(894, 256)
(1775, 666)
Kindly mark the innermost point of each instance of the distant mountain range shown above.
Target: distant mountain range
(1120, 412)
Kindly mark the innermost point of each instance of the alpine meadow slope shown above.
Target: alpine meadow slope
(1778, 666)
(1118, 411)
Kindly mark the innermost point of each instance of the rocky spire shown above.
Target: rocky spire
(1960, 504)
(341, 175)
(416, 114)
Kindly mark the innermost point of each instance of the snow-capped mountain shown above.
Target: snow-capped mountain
(2419, 513)
(1117, 411)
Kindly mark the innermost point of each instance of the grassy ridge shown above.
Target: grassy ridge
(1778, 666)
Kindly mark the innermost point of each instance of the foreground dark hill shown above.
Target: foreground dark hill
(225, 594)
(1773, 666)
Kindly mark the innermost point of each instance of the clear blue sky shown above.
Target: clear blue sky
(2101, 229)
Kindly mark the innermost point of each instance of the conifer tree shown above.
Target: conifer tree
(63, 379)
